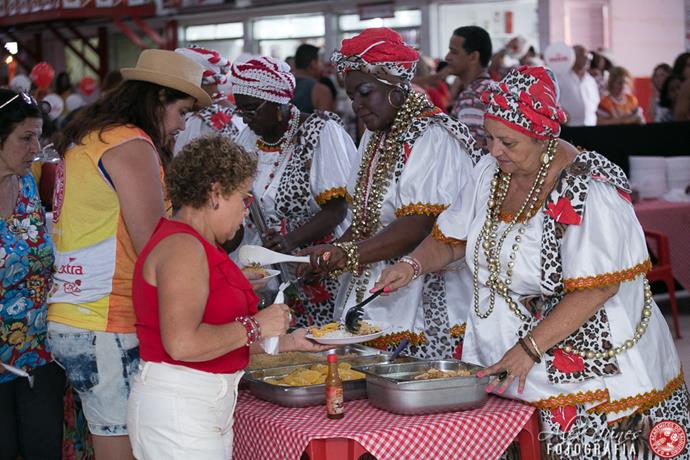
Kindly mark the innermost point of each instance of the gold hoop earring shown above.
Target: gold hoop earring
(391, 102)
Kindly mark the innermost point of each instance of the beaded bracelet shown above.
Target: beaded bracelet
(414, 263)
(351, 251)
(529, 352)
(252, 327)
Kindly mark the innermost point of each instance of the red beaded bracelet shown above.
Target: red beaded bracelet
(252, 327)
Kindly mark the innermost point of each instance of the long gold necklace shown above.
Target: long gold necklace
(370, 190)
(492, 244)
(369, 194)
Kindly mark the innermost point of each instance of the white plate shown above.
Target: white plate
(342, 337)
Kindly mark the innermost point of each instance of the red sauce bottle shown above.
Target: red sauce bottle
(334, 390)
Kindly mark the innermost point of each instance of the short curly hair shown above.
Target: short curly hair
(203, 162)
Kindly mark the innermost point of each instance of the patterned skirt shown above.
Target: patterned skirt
(572, 432)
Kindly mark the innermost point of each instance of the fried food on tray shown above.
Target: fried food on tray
(255, 267)
(439, 374)
(315, 375)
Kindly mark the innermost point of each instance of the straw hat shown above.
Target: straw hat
(172, 70)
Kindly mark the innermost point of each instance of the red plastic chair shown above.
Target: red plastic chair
(662, 271)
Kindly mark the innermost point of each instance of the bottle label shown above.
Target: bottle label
(334, 400)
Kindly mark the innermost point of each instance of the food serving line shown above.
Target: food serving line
(266, 428)
(397, 407)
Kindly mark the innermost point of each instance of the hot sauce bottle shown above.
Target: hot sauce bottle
(334, 390)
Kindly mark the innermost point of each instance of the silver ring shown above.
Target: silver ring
(289, 317)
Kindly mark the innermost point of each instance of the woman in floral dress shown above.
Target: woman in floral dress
(31, 412)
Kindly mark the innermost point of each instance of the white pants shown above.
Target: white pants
(178, 413)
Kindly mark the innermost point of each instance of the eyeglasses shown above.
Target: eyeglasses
(249, 112)
(248, 199)
(26, 98)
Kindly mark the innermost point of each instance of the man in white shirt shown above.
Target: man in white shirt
(579, 91)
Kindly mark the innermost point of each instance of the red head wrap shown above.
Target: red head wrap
(527, 101)
(380, 52)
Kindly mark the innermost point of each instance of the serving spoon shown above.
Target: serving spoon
(251, 254)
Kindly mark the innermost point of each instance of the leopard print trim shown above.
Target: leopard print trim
(438, 235)
(415, 209)
(294, 191)
(571, 399)
(595, 334)
(642, 401)
(572, 185)
(606, 279)
(458, 130)
(330, 194)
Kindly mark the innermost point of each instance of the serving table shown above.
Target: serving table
(267, 431)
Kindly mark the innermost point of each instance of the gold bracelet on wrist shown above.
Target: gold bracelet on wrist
(534, 344)
(351, 251)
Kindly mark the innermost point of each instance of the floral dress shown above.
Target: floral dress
(26, 264)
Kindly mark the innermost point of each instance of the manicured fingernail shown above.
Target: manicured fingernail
(480, 374)
(386, 289)
(520, 391)
(488, 389)
(500, 390)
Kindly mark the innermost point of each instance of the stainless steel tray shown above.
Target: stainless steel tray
(310, 395)
(316, 358)
(392, 387)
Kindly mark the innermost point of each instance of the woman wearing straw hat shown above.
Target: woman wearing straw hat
(109, 197)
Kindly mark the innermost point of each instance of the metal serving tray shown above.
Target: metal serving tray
(315, 358)
(310, 395)
(392, 387)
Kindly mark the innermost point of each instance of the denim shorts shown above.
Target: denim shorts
(100, 366)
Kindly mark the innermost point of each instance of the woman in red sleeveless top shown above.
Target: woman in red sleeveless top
(197, 318)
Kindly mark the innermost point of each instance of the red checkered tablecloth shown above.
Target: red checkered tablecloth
(267, 431)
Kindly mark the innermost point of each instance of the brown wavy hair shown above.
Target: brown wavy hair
(203, 162)
(133, 102)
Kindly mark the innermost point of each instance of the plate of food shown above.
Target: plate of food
(335, 333)
(266, 273)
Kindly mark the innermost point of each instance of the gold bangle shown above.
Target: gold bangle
(534, 344)
(351, 251)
